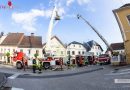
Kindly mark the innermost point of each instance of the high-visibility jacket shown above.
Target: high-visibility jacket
(39, 64)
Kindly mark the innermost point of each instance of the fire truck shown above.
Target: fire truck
(80, 60)
(103, 59)
(20, 59)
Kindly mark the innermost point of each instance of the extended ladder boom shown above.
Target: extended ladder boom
(103, 39)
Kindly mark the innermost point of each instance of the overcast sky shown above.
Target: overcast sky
(34, 15)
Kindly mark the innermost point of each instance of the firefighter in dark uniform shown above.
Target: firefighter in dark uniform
(34, 65)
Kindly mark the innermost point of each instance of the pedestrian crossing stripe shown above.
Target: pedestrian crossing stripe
(14, 76)
(122, 80)
(17, 88)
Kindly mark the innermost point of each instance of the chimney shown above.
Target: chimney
(32, 34)
(1, 34)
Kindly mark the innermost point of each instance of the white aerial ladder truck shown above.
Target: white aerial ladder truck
(48, 55)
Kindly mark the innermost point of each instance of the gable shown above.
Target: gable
(55, 43)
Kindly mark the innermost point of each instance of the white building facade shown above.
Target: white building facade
(96, 50)
(58, 50)
(75, 48)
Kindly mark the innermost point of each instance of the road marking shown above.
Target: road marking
(14, 76)
(121, 73)
(122, 80)
(17, 88)
(125, 70)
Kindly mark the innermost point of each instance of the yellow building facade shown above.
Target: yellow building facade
(122, 15)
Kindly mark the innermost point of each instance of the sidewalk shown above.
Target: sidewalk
(51, 72)
(3, 80)
(55, 74)
(58, 75)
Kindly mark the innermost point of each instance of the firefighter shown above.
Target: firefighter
(40, 66)
(38, 62)
(8, 57)
(34, 65)
(68, 64)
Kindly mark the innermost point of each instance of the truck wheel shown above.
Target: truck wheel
(46, 65)
(19, 65)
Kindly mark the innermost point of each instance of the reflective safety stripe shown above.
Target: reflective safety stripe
(34, 64)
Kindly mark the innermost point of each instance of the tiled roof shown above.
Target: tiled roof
(31, 42)
(117, 46)
(43, 44)
(22, 41)
(90, 44)
(126, 5)
(74, 42)
(87, 46)
(13, 39)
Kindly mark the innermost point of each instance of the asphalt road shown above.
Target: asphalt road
(75, 79)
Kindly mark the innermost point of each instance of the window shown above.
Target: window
(82, 52)
(21, 50)
(128, 17)
(62, 52)
(4, 50)
(9, 50)
(29, 51)
(79, 52)
(1, 49)
(74, 45)
(73, 53)
(68, 52)
(37, 51)
(79, 46)
(13, 50)
(97, 53)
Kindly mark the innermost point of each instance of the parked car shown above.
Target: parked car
(103, 59)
